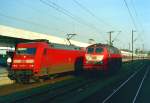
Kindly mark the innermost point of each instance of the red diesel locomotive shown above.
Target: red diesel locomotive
(102, 57)
(36, 60)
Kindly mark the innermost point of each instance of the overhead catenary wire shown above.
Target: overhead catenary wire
(39, 11)
(86, 9)
(133, 21)
(69, 14)
(130, 14)
(25, 21)
(137, 16)
(115, 38)
(92, 14)
(66, 12)
(138, 20)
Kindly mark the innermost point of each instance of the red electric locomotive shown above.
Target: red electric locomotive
(36, 60)
(102, 57)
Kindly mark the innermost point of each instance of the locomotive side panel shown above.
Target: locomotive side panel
(59, 60)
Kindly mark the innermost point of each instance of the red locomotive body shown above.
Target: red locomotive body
(102, 57)
(38, 59)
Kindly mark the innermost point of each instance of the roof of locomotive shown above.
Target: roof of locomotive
(101, 45)
(53, 45)
(62, 46)
(110, 48)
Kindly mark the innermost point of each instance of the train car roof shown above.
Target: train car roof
(62, 46)
(53, 45)
(102, 45)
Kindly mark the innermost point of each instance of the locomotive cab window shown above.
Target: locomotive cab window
(30, 51)
(99, 50)
(90, 50)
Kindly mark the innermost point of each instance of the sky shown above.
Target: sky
(89, 19)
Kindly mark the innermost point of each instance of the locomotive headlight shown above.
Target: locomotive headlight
(31, 65)
(99, 57)
(16, 61)
(30, 61)
(23, 61)
(88, 57)
(14, 66)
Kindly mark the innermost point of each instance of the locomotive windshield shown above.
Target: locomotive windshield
(30, 51)
(96, 50)
(99, 50)
(90, 50)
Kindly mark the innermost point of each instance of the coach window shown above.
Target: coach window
(99, 50)
(90, 50)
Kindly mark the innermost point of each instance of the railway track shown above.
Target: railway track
(77, 96)
(15, 87)
(54, 93)
(48, 89)
(111, 97)
(58, 92)
(123, 91)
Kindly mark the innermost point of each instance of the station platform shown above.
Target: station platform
(4, 80)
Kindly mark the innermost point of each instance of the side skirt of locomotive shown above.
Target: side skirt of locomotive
(27, 76)
(21, 76)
